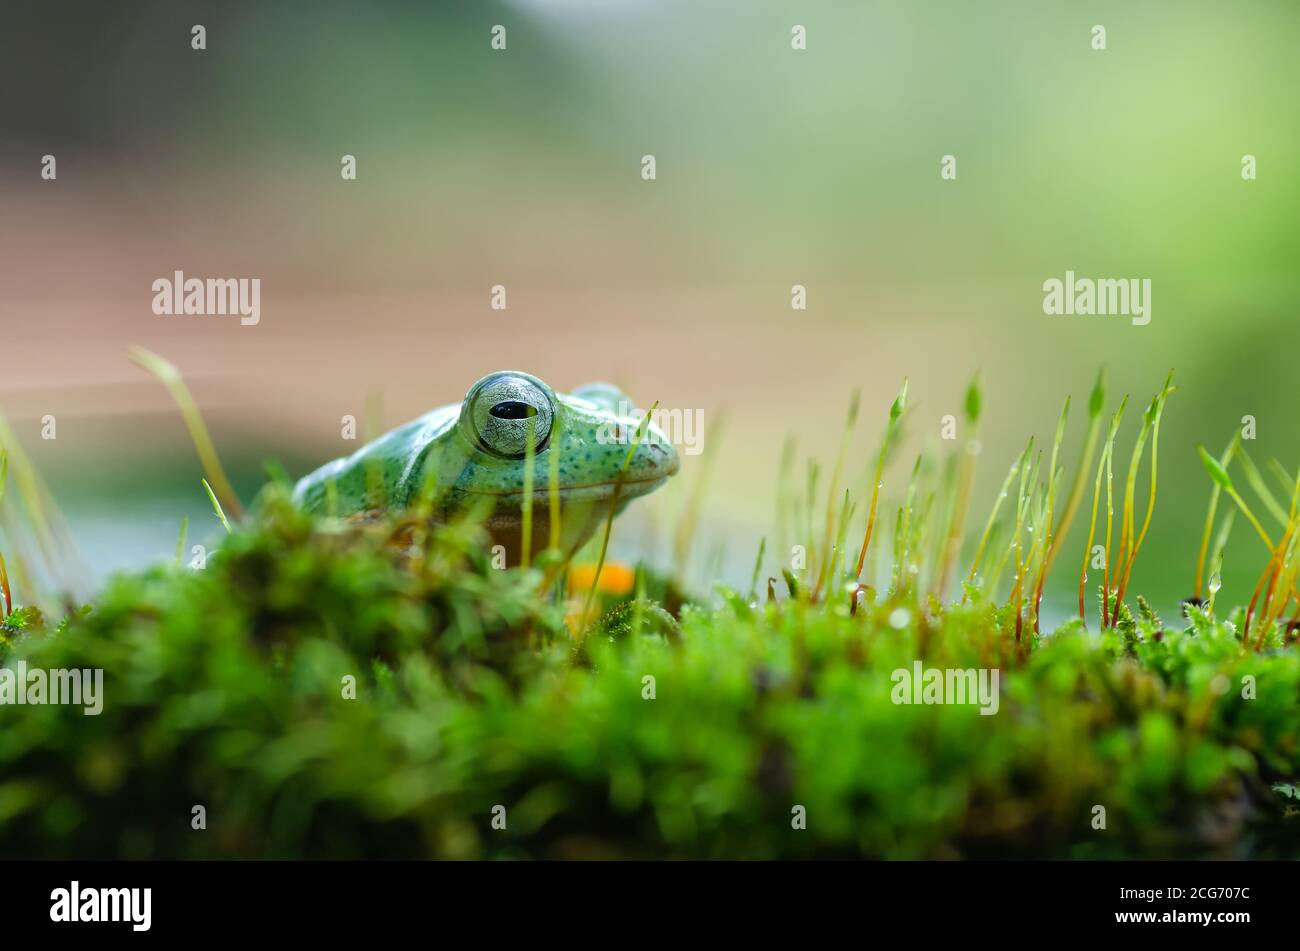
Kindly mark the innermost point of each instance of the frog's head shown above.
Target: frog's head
(589, 432)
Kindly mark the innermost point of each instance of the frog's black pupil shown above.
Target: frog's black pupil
(512, 409)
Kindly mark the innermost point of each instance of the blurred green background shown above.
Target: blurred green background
(775, 167)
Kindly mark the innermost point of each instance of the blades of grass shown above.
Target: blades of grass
(170, 377)
(1285, 550)
(553, 484)
(1096, 406)
(758, 567)
(691, 517)
(45, 522)
(422, 508)
(809, 532)
(1278, 471)
(1029, 476)
(4, 571)
(1295, 522)
(1092, 532)
(1127, 532)
(4, 586)
(835, 560)
(1024, 501)
(1286, 582)
(1157, 411)
(1256, 482)
(638, 606)
(1017, 590)
(717, 558)
(30, 491)
(965, 486)
(1053, 476)
(526, 532)
(216, 507)
(850, 420)
(900, 558)
(994, 579)
(1254, 598)
(609, 522)
(785, 516)
(947, 490)
(20, 575)
(1291, 625)
(846, 517)
(1216, 578)
(841, 546)
(1103, 465)
(927, 524)
(993, 515)
(1220, 475)
(1220, 543)
(1110, 522)
(558, 568)
(1215, 491)
(1036, 569)
(180, 541)
(989, 584)
(427, 496)
(895, 414)
(814, 476)
(900, 522)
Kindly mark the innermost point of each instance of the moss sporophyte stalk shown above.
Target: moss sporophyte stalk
(350, 679)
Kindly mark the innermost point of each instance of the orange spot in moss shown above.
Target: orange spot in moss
(615, 579)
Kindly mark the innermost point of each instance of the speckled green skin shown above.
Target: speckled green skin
(442, 447)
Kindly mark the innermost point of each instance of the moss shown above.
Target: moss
(227, 688)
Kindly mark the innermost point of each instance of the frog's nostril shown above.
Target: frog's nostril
(662, 457)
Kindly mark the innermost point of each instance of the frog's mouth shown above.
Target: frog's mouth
(590, 493)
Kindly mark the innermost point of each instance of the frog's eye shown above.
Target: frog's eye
(504, 408)
(512, 409)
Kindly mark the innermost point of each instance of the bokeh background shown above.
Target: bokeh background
(522, 168)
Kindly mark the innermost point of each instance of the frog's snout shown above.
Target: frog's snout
(654, 461)
(663, 458)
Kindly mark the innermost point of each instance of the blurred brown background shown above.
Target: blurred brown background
(775, 167)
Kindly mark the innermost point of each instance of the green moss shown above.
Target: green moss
(226, 688)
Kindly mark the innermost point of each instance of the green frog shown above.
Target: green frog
(476, 451)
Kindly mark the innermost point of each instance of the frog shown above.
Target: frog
(475, 453)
